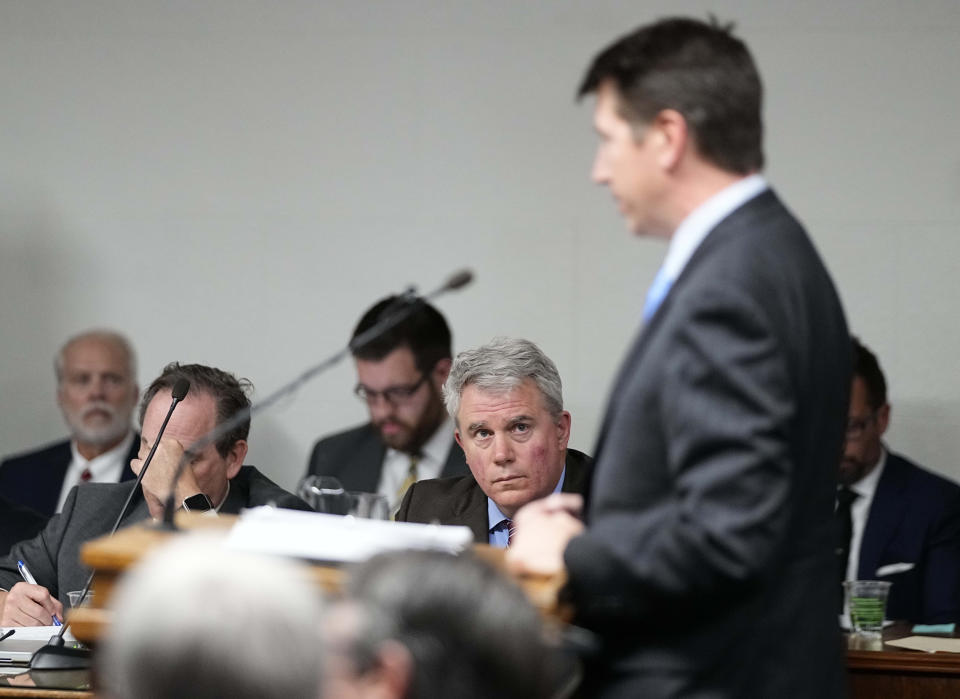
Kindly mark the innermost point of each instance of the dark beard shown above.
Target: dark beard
(432, 417)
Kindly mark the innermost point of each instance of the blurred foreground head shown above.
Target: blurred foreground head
(419, 625)
(195, 620)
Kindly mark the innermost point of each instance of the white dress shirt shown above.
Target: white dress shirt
(695, 227)
(860, 510)
(105, 468)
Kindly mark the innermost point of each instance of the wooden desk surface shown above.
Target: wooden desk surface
(111, 556)
(878, 671)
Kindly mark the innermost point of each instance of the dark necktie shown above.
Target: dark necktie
(86, 475)
(508, 523)
(845, 498)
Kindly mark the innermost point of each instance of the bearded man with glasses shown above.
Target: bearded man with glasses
(896, 521)
(409, 436)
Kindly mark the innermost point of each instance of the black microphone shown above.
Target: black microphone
(54, 655)
(458, 280)
(403, 306)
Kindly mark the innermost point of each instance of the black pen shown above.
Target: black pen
(8, 634)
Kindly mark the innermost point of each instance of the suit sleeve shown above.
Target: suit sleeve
(41, 552)
(725, 405)
(941, 594)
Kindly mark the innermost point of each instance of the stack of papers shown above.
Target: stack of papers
(337, 539)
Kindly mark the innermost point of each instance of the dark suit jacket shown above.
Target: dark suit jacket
(915, 518)
(461, 501)
(35, 479)
(90, 511)
(355, 457)
(17, 523)
(707, 563)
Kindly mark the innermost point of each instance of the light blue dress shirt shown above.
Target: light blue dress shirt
(498, 531)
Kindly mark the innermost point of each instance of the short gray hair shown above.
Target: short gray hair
(104, 335)
(472, 632)
(500, 366)
(192, 620)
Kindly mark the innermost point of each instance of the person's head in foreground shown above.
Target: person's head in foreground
(421, 625)
(196, 620)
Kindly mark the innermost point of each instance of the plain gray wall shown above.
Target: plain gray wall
(233, 182)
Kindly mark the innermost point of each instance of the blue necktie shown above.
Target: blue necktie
(656, 294)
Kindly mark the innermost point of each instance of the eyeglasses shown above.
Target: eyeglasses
(395, 395)
(857, 426)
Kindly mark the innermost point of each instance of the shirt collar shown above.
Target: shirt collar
(495, 517)
(867, 486)
(106, 458)
(695, 227)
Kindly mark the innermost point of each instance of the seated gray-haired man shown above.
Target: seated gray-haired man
(506, 401)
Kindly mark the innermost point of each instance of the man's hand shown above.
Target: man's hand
(156, 484)
(28, 605)
(543, 530)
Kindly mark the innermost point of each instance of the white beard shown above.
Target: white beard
(112, 431)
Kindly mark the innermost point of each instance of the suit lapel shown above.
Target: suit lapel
(474, 513)
(728, 226)
(883, 520)
(55, 474)
(369, 464)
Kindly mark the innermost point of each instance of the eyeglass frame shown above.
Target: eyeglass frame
(857, 427)
(394, 395)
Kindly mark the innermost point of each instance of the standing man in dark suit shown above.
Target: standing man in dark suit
(506, 400)
(897, 521)
(409, 437)
(214, 480)
(97, 391)
(705, 565)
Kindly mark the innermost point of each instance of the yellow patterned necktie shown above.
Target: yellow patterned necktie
(409, 480)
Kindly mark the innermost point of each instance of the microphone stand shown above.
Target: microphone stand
(55, 655)
(401, 308)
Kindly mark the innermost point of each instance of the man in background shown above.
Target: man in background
(97, 391)
(897, 521)
(400, 376)
(506, 400)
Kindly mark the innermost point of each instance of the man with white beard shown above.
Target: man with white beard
(97, 392)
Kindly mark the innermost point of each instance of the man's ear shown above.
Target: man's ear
(393, 673)
(442, 370)
(883, 418)
(669, 128)
(456, 436)
(563, 429)
(238, 452)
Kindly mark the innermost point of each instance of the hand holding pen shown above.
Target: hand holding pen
(25, 606)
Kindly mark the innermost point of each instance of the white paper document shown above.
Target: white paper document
(337, 539)
(36, 633)
(929, 644)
